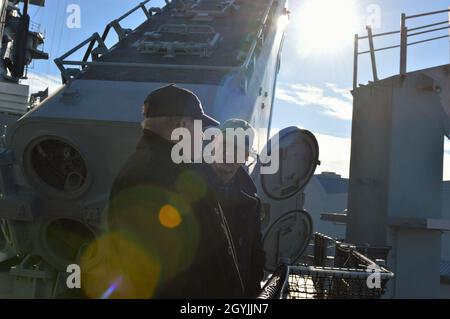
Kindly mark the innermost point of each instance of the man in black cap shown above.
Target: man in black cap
(171, 238)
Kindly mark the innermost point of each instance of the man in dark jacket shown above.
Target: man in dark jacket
(173, 239)
(236, 192)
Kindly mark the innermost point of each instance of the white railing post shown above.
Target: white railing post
(372, 53)
(355, 62)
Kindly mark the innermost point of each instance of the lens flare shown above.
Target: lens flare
(125, 271)
(107, 294)
(191, 186)
(169, 216)
(154, 236)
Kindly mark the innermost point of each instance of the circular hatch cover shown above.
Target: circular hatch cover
(287, 238)
(298, 160)
(55, 166)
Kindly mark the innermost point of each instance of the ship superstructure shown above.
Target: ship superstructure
(60, 159)
(19, 47)
(395, 200)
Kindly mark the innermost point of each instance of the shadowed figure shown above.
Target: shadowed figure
(168, 235)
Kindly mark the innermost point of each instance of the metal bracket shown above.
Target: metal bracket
(69, 74)
(121, 32)
(208, 10)
(421, 223)
(335, 218)
(179, 43)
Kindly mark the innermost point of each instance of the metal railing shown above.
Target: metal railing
(405, 34)
(100, 40)
(338, 271)
(101, 49)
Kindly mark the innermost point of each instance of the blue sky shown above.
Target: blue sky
(314, 85)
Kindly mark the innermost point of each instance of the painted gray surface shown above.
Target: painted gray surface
(7, 120)
(333, 184)
(327, 194)
(396, 172)
(234, 29)
(416, 258)
(100, 116)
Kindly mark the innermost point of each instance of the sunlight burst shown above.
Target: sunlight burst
(326, 26)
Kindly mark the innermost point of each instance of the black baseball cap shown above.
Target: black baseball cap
(174, 101)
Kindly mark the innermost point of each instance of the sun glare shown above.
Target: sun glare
(326, 26)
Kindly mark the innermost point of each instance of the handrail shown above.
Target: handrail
(131, 11)
(258, 36)
(68, 74)
(152, 65)
(380, 49)
(115, 24)
(428, 31)
(428, 40)
(405, 33)
(428, 25)
(379, 35)
(96, 38)
(427, 14)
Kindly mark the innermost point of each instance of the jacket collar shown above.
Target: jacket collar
(154, 141)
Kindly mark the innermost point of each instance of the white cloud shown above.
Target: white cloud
(447, 146)
(285, 95)
(446, 167)
(40, 81)
(334, 154)
(331, 100)
(345, 93)
(447, 160)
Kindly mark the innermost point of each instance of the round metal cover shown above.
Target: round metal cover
(298, 160)
(287, 238)
(63, 240)
(56, 167)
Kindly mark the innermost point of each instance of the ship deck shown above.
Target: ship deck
(237, 30)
